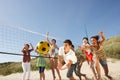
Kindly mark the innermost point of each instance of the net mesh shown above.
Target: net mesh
(13, 39)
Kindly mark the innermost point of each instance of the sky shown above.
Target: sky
(63, 19)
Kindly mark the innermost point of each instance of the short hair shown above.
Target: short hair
(68, 41)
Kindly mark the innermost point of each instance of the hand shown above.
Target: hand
(47, 34)
(62, 68)
(101, 33)
(30, 43)
(80, 47)
(80, 64)
(65, 66)
(59, 66)
(24, 46)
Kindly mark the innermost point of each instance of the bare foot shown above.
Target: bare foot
(109, 77)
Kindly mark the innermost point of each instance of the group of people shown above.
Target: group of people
(68, 58)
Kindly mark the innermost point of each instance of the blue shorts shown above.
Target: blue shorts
(41, 69)
(70, 70)
(103, 63)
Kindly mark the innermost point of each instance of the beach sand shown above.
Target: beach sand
(114, 71)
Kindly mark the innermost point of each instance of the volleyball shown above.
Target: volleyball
(43, 47)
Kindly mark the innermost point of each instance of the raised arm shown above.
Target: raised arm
(102, 36)
(47, 38)
(31, 47)
(23, 49)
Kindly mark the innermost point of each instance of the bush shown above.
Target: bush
(112, 47)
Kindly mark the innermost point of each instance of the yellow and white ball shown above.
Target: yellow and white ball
(43, 47)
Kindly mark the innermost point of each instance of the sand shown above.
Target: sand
(114, 71)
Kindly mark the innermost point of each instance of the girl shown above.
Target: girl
(97, 46)
(89, 56)
(41, 63)
(53, 61)
(26, 60)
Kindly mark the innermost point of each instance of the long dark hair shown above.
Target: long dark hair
(97, 38)
(86, 39)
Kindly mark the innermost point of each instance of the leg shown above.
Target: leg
(43, 76)
(77, 70)
(71, 78)
(41, 71)
(97, 66)
(58, 72)
(106, 72)
(70, 72)
(84, 75)
(40, 76)
(55, 65)
(93, 70)
(24, 70)
(52, 68)
(28, 70)
(105, 67)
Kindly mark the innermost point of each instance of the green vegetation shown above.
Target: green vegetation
(13, 67)
(111, 46)
(10, 67)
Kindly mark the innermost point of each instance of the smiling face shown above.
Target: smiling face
(85, 41)
(93, 41)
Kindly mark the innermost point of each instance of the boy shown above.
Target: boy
(68, 55)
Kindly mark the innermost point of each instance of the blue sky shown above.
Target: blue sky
(64, 19)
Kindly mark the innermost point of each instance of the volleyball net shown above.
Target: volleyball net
(13, 38)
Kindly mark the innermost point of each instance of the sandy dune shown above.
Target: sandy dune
(114, 71)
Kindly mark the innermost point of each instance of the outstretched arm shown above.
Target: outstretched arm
(36, 51)
(67, 65)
